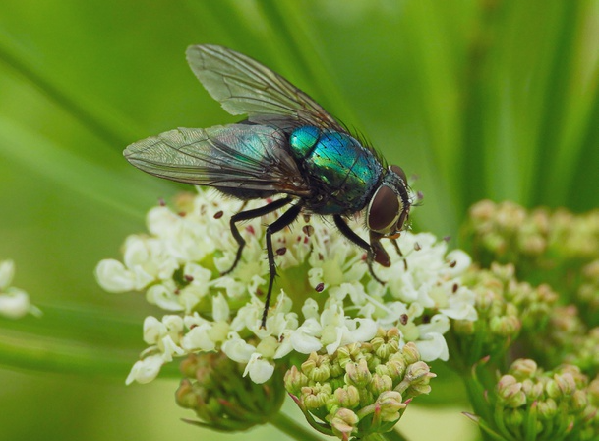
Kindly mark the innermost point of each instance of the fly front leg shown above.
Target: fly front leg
(375, 251)
(397, 248)
(247, 215)
(286, 219)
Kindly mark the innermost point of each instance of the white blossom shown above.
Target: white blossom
(14, 302)
(324, 297)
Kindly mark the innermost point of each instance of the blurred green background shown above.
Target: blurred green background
(488, 98)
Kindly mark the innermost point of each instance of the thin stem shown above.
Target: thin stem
(292, 429)
(73, 341)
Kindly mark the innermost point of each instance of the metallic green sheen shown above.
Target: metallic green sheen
(340, 169)
(303, 139)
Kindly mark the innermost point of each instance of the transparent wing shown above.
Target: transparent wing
(244, 86)
(246, 156)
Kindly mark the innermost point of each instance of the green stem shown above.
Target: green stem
(74, 341)
(292, 429)
(395, 436)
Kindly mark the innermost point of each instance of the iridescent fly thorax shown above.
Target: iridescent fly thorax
(338, 169)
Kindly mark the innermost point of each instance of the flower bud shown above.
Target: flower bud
(185, 395)
(343, 423)
(317, 368)
(315, 396)
(391, 403)
(358, 374)
(380, 384)
(410, 353)
(547, 409)
(347, 396)
(294, 381)
(523, 368)
(509, 392)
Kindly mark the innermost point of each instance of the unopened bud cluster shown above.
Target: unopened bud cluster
(361, 388)
(532, 240)
(529, 403)
(214, 388)
(567, 340)
(505, 308)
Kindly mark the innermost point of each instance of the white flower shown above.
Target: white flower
(14, 302)
(112, 276)
(324, 296)
(146, 370)
(237, 348)
(7, 272)
(260, 370)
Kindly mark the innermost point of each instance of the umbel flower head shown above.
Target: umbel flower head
(530, 403)
(324, 297)
(361, 388)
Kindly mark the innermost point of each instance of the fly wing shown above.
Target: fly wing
(244, 86)
(246, 156)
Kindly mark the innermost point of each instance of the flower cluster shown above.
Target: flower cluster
(505, 308)
(14, 302)
(325, 296)
(542, 244)
(361, 388)
(529, 403)
(567, 340)
(214, 388)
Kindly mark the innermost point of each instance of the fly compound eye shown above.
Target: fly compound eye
(402, 219)
(384, 210)
(397, 170)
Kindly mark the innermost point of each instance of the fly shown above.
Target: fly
(288, 145)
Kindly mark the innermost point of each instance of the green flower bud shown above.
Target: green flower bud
(380, 384)
(315, 396)
(346, 396)
(347, 354)
(343, 423)
(358, 374)
(547, 409)
(317, 368)
(386, 343)
(396, 368)
(410, 353)
(416, 380)
(185, 395)
(505, 326)
(417, 371)
(391, 403)
(533, 391)
(513, 418)
(565, 383)
(294, 381)
(509, 392)
(579, 400)
(523, 368)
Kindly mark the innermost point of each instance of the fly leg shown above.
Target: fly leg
(247, 215)
(375, 252)
(397, 248)
(286, 218)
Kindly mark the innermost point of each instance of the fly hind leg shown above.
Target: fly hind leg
(286, 219)
(247, 215)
